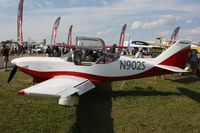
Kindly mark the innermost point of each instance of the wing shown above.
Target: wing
(60, 86)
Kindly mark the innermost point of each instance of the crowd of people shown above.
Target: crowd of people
(6, 50)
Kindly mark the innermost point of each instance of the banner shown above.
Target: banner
(122, 36)
(19, 23)
(69, 41)
(54, 31)
(174, 35)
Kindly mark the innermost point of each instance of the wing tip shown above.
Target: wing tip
(21, 93)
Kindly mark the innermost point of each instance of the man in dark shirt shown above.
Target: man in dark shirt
(5, 54)
(194, 61)
(48, 51)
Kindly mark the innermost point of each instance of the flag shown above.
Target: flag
(19, 23)
(54, 31)
(174, 35)
(69, 41)
(122, 35)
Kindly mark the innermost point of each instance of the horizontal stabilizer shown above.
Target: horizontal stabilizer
(171, 68)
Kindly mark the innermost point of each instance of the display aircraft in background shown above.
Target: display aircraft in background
(62, 77)
(165, 42)
(196, 46)
(149, 46)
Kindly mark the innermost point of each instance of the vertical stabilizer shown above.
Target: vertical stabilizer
(176, 55)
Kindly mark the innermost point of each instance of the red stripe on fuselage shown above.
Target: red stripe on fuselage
(94, 78)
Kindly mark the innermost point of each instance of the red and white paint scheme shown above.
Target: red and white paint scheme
(65, 76)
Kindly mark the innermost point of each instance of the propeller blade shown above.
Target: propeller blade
(12, 73)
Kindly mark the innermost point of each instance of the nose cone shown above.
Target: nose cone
(14, 61)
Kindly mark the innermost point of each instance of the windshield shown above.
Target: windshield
(107, 58)
(89, 57)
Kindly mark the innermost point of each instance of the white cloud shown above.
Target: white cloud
(189, 21)
(161, 22)
(48, 2)
(104, 32)
(6, 3)
(193, 34)
(136, 25)
(158, 23)
(195, 31)
(163, 34)
(87, 20)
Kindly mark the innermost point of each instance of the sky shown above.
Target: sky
(145, 19)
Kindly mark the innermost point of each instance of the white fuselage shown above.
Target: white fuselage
(48, 67)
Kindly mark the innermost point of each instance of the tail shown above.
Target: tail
(175, 57)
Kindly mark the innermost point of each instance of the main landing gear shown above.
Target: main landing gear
(66, 101)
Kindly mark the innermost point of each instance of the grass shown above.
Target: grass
(142, 105)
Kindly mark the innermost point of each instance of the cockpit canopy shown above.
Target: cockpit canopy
(89, 42)
(88, 57)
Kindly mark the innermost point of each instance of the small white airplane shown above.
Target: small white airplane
(71, 74)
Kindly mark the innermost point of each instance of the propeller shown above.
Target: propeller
(12, 73)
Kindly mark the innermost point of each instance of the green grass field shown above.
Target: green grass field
(142, 105)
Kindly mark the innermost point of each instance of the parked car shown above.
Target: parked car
(38, 50)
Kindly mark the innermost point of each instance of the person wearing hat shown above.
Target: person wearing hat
(139, 54)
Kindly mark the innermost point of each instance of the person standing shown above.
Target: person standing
(193, 60)
(48, 51)
(5, 54)
(139, 54)
(56, 52)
